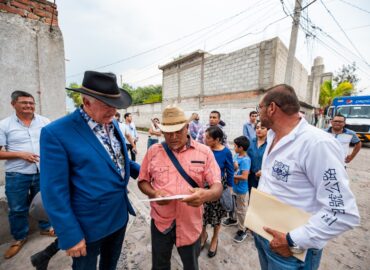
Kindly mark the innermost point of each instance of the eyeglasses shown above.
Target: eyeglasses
(27, 103)
(337, 121)
(259, 107)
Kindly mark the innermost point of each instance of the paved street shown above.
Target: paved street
(349, 251)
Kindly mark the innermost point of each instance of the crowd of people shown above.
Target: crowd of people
(81, 165)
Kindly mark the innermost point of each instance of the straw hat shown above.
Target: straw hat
(173, 119)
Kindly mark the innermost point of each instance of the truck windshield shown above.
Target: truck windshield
(354, 111)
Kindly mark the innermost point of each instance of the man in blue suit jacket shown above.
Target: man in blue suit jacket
(84, 174)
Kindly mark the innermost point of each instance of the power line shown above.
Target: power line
(226, 43)
(358, 27)
(207, 35)
(164, 44)
(147, 78)
(250, 33)
(322, 42)
(317, 28)
(350, 41)
(359, 8)
(309, 4)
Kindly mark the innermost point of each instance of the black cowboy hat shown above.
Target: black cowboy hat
(103, 86)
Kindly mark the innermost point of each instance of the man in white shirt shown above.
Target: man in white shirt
(131, 129)
(124, 131)
(20, 136)
(303, 167)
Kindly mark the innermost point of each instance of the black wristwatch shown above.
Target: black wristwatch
(293, 247)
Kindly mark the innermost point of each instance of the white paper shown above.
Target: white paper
(168, 198)
(266, 210)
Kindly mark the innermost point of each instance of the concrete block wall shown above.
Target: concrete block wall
(190, 82)
(234, 72)
(300, 74)
(143, 113)
(233, 117)
(230, 82)
(170, 86)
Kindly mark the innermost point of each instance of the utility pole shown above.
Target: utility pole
(293, 42)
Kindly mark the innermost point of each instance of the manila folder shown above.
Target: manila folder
(265, 210)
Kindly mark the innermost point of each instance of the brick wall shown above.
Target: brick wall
(40, 10)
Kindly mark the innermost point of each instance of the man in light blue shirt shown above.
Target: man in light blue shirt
(19, 135)
(249, 130)
(194, 126)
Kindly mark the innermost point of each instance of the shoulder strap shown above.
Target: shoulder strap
(178, 166)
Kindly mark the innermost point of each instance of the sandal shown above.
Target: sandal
(49, 232)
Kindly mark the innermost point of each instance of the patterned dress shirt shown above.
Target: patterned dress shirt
(105, 134)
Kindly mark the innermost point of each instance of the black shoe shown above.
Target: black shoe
(211, 254)
(240, 236)
(229, 222)
(41, 259)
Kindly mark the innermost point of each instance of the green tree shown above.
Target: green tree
(75, 96)
(347, 73)
(145, 94)
(141, 95)
(328, 92)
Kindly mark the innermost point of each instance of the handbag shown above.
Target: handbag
(178, 166)
(227, 200)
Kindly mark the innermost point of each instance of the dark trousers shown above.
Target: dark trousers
(132, 153)
(151, 142)
(109, 248)
(252, 181)
(162, 245)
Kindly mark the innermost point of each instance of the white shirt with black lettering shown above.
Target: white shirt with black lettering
(305, 169)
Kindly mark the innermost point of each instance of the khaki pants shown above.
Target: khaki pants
(241, 209)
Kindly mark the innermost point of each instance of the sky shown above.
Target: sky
(132, 38)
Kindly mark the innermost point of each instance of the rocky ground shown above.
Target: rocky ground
(349, 251)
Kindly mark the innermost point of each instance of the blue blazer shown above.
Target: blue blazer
(83, 193)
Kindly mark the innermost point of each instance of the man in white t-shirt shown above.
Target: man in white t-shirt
(302, 167)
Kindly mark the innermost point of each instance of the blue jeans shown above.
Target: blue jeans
(270, 260)
(151, 142)
(109, 248)
(20, 190)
